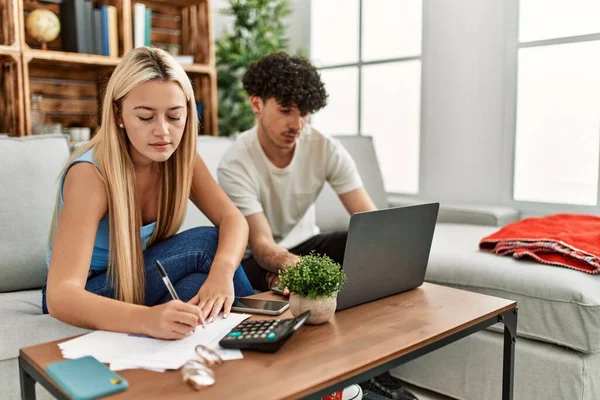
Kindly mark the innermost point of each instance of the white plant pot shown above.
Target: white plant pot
(321, 309)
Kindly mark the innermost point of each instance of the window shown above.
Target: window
(369, 53)
(557, 143)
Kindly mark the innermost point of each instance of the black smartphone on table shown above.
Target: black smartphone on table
(258, 306)
(275, 289)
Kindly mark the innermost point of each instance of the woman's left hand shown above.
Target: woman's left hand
(215, 294)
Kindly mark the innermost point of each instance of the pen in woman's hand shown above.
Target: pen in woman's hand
(170, 287)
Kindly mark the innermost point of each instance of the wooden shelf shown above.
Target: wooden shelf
(94, 59)
(72, 84)
(199, 69)
(71, 88)
(179, 3)
(64, 57)
(10, 30)
(9, 51)
(12, 114)
(123, 8)
(186, 24)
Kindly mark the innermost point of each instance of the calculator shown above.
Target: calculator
(266, 335)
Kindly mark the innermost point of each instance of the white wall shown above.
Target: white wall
(219, 21)
(464, 84)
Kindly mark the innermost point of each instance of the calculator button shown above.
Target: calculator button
(235, 334)
(264, 335)
(271, 336)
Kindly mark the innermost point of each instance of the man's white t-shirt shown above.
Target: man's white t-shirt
(286, 195)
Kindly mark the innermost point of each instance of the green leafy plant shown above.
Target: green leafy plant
(258, 30)
(314, 276)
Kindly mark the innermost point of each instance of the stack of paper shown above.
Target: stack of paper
(126, 351)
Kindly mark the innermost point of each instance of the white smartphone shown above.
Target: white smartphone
(257, 306)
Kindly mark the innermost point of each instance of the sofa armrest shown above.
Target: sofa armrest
(466, 213)
(478, 215)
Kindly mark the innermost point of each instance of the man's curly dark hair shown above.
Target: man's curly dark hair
(291, 80)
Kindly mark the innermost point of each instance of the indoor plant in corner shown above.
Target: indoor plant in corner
(313, 284)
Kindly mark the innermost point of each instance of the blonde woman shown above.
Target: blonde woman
(121, 201)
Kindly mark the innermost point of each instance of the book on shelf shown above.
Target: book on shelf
(113, 32)
(148, 31)
(88, 13)
(90, 30)
(139, 25)
(200, 110)
(109, 31)
(97, 31)
(73, 21)
(184, 60)
(104, 29)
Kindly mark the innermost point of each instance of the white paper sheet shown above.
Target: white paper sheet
(126, 351)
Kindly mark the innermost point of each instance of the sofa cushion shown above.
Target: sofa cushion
(330, 212)
(471, 368)
(556, 305)
(477, 215)
(211, 149)
(454, 213)
(23, 323)
(30, 168)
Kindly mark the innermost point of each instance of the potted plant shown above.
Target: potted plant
(313, 284)
(258, 29)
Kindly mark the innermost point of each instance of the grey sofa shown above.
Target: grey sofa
(30, 167)
(556, 353)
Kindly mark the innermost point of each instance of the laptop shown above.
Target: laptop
(386, 252)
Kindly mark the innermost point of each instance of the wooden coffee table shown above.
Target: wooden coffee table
(357, 344)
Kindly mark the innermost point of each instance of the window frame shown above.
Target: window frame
(507, 180)
(360, 64)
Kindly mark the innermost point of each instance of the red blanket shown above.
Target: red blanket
(566, 240)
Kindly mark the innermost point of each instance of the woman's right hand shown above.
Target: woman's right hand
(172, 320)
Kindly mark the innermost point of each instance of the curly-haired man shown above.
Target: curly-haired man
(275, 171)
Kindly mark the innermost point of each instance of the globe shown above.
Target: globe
(42, 25)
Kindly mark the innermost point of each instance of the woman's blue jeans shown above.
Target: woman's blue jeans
(187, 258)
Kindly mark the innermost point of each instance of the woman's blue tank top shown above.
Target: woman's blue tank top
(100, 254)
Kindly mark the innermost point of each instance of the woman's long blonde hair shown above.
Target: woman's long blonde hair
(110, 150)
